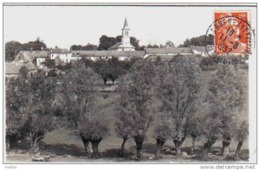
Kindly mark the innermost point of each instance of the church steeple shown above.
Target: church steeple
(126, 24)
(125, 32)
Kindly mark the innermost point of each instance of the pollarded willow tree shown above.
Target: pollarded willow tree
(93, 127)
(28, 106)
(240, 133)
(80, 109)
(43, 91)
(162, 131)
(227, 96)
(136, 103)
(17, 99)
(179, 91)
(123, 108)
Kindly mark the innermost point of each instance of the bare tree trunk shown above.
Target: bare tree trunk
(206, 148)
(95, 144)
(7, 144)
(122, 150)
(139, 144)
(86, 144)
(225, 148)
(35, 139)
(193, 145)
(178, 143)
(159, 144)
(225, 145)
(239, 145)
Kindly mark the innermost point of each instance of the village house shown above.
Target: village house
(36, 57)
(12, 68)
(63, 57)
(105, 55)
(199, 50)
(166, 53)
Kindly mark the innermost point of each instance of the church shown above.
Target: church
(125, 44)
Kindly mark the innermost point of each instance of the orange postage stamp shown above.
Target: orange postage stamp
(232, 33)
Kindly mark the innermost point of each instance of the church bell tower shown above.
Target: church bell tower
(125, 33)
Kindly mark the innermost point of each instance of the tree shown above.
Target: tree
(169, 44)
(49, 62)
(179, 92)
(152, 46)
(81, 112)
(202, 40)
(116, 69)
(35, 45)
(186, 43)
(209, 123)
(103, 68)
(240, 132)
(110, 69)
(162, 131)
(226, 96)
(106, 42)
(122, 125)
(17, 99)
(135, 43)
(76, 47)
(88, 47)
(28, 107)
(93, 127)
(41, 114)
(59, 50)
(12, 48)
(136, 103)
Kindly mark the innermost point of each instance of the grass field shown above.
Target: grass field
(66, 147)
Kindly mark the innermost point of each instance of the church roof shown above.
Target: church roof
(121, 45)
(116, 45)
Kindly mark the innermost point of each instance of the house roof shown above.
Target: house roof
(14, 67)
(168, 50)
(60, 52)
(107, 53)
(30, 55)
(29, 66)
(198, 48)
(163, 57)
(58, 60)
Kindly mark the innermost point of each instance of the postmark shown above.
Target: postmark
(232, 34)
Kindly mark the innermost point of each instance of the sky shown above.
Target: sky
(64, 26)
